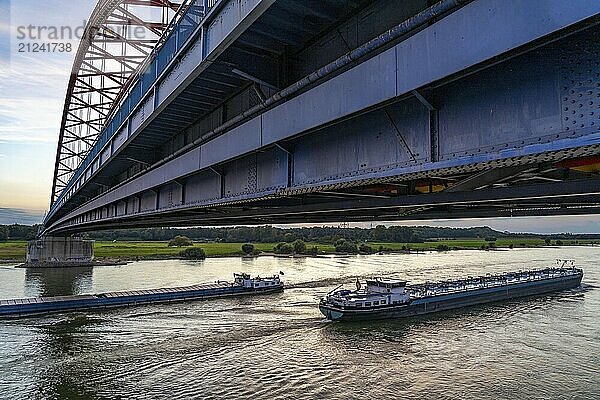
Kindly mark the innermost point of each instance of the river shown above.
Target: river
(280, 347)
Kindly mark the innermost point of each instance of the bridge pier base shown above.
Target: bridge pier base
(49, 251)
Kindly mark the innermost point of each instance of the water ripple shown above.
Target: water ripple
(280, 347)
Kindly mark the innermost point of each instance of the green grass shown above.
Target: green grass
(132, 250)
(15, 250)
(162, 250)
(474, 244)
(462, 244)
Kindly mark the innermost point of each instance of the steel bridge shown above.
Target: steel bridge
(217, 112)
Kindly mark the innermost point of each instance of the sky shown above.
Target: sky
(32, 91)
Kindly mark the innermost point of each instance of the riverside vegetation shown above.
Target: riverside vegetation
(198, 243)
(140, 250)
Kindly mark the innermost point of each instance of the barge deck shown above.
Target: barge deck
(393, 298)
(243, 285)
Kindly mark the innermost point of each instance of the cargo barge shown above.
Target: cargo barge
(243, 284)
(393, 298)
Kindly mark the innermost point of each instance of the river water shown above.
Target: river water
(280, 347)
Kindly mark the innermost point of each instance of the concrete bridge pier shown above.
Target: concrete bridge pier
(50, 251)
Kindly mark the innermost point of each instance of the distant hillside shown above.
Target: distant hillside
(270, 234)
(9, 216)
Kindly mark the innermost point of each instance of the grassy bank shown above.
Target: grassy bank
(129, 250)
(13, 250)
(467, 244)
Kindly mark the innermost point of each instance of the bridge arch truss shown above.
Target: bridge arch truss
(119, 38)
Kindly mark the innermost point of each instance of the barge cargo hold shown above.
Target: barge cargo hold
(242, 285)
(392, 298)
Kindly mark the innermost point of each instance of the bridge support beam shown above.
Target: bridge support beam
(50, 251)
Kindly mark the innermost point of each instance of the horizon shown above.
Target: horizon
(11, 216)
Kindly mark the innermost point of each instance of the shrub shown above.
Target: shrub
(248, 248)
(180, 241)
(442, 247)
(490, 239)
(345, 246)
(284, 248)
(559, 242)
(365, 248)
(299, 246)
(193, 253)
(510, 246)
(313, 251)
(547, 241)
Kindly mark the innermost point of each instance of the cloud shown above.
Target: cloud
(29, 119)
(31, 104)
(32, 91)
(10, 216)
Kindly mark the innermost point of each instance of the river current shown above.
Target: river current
(280, 347)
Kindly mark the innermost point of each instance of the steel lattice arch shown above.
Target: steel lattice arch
(119, 37)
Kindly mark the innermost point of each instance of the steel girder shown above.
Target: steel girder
(118, 38)
(569, 197)
(224, 175)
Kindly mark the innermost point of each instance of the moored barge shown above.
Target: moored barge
(243, 284)
(393, 298)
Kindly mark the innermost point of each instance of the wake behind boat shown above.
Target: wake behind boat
(393, 298)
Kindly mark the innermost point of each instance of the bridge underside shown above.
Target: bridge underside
(385, 202)
(491, 110)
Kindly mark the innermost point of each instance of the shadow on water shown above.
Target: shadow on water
(67, 375)
(58, 281)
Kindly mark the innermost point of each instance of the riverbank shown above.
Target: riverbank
(14, 251)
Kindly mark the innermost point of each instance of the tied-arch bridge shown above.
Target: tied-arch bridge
(219, 112)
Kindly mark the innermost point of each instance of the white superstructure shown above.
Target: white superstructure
(257, 283)
(378, 292)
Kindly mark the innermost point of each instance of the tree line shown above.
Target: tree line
(18, 232)
(323, 234)
(271, 234)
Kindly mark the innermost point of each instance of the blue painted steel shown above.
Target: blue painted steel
(160, 62)
(471, 35)
(477, 113)
(220, 29)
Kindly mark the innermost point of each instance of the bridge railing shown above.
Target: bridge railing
(175, 38)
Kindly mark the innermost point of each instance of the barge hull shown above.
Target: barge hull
(427, 305)
(38, 306)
